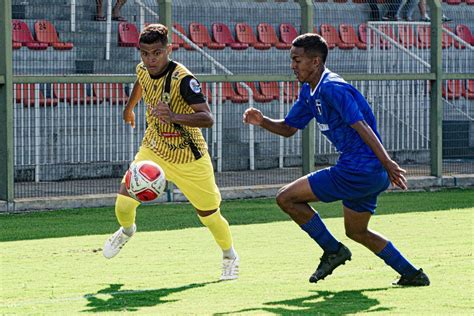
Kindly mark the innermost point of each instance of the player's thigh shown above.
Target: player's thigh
(197, 183)
(298, 191)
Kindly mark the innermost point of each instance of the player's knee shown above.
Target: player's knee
(283, 199)
(358, 236)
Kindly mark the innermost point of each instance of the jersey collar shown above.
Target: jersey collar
(323, 76)
(164, 72)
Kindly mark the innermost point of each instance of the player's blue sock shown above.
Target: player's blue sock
(396, 260)
(318, 231)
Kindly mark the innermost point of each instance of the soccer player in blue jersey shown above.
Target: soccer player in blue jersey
(362, 172)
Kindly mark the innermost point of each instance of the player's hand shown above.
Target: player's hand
(252, 116)
(163, 112)
(396, 174)
(129, 117)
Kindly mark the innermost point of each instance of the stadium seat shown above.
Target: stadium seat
(290, 91)
(270, 89)
(331, 36)
(128, 35)
(22, 34)
(463, 32)
(221, 34)
(446, 39)
(468, 90)
(406, 35)
(245, 34)
(46, 33)
(424, 36)
(257, 95)
(16, 45)
(200, 36)
(451, 89)
(363, 36)
(177, 40)
(388, 30)
(287, 33)
(206, 91)
(111, 92)
(469, 2)
(228, 93)
(453, 2)
(72, 93)
(266, 34)
(349, 36)
(25, 94)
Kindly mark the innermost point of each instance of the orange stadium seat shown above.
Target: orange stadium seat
(199, 35)
(46, 33)
(266, 34)
(270, 89)
(22, 34)
(127, 34)
(349, 36)
(177, 40)
(406, 35)
(468, 90)
(221, 34)
(245, 34)
(228, 93)
(287, 33)
(463, 32)
(111, 92)
(329, 32)
(25, 94)
(257, 95)
(73, 93)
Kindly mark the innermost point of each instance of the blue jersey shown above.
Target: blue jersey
(337, 105)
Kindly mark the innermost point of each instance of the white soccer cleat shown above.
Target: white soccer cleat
(230, 269)
(116, 242)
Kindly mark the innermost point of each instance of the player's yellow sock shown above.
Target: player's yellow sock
(219, 228)
(125, 210)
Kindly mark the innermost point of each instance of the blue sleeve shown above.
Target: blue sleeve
(300, 114)
(341, 99)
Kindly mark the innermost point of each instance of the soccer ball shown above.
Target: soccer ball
(145, 181)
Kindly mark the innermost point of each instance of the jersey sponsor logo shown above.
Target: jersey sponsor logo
(170, 134)
(323, 127)
(194, 85)
(175, 75)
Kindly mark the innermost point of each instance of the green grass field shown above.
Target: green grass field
(51, 262)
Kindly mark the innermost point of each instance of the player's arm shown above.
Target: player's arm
(135, 96)
(395, 173)
(277, 126)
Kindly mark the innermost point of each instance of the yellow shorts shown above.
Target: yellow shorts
(195, 179)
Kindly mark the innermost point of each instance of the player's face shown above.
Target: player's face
(305, 67)
(155, 57)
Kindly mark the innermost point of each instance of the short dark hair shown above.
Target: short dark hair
(313, 44)
(153, 33)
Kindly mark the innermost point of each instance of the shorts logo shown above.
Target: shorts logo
(323, 127)
(195, 86)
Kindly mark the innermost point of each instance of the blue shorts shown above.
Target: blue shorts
(358, 191)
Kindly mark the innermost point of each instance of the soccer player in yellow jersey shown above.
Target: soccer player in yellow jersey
(176, 111)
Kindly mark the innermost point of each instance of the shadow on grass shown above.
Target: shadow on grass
(112, 299)
(322, 303)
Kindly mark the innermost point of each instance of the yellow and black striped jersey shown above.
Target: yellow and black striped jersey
(173, 142)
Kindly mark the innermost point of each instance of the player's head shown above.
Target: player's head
(308, 55)
(154, 48)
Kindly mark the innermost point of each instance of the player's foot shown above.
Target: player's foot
(329, 262)
(230, 269)
(116, 242)
(419, 279)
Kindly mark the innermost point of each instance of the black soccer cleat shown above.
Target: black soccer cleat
(418, 279)
(329, 262)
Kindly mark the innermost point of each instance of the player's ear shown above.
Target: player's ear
(168, 49)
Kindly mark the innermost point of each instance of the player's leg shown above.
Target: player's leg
(293, 199)
(196, 181)
(356, 225)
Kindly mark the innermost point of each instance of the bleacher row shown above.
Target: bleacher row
(45, 36)
(345, 37)
(116, 93)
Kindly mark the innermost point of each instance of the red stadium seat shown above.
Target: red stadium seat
(245, 34)
(266, 34)
(446, 39)
(406, 35)
(453, 2)
(46, 33)
(287, 33)
(363, 36)
(349, 36)
(73, 93)
(206, 91)
(424, 36)
(257, 95)
(290, 91)
(177, 40)
(128, 35)
(388, 30)
(463, 32)
(22, 34)
(221, 34)
(111, 92)
(16, 45)
(331, 36)
(468, 90)
(270, 89)
(199, 35)
(228, 93)
(452, 89)
(469, 2)
(26, 94)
